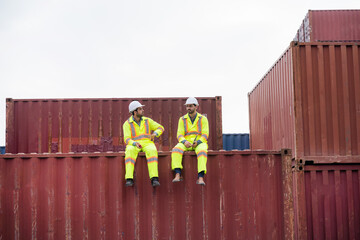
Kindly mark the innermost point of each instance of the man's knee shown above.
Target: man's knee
(150, 149)
(202, 147)
(130, 149)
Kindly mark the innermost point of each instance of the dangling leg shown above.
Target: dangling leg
(201, 152)
(176, 160)
(152, 162)
(131, 153)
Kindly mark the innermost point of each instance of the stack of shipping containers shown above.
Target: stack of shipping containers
(309, 102)
(63, 177)
(63, 174)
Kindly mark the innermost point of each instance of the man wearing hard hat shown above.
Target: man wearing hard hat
(192, 134)
(138, 137)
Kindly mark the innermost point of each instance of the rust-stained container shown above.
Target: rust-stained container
(327, 199)
(330, 25)
(248, 195)
(309, 101)
(95, 125)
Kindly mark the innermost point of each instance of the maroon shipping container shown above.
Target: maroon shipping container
(95, 125)
(327, 199)
(309, 101)
(82, 196)
(330, 26)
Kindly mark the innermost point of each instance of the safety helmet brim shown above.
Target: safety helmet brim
(192, 100)
(134, 105)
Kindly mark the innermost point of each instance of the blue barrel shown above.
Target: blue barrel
(2, 150)
(236, 141)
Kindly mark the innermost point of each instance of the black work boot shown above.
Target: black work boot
(129, 182)
(155, 182)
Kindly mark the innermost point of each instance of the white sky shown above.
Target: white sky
(146, 48)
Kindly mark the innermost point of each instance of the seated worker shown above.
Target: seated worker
(192, 134)
(138, 137)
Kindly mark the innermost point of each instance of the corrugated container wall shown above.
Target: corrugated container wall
(95, 125)
(2, 150)
(83, 196)
(327, 200)
(309, 102)
(330, 25)
(271, 107)
(236, 141)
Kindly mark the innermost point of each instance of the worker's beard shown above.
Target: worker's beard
(191, 111)
(139, 115)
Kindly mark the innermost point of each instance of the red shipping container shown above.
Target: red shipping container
(248, 195)
(330, 25)
(309, 101)
(327, 199)
(95, 125)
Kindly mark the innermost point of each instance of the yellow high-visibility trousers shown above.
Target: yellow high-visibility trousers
(131, 153)
(178, 151)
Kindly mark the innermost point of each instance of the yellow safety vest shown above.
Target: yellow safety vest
(199, 130)
(133, 132)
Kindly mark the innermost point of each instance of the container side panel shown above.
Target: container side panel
(356, 65)
(23, 131)
(330, 116)
(353, 68)
(330, 26)
(332, 201)
(271, 107)
(327, 106)
(10, 122)
(335, 25)
(95, 125)
(82, 196)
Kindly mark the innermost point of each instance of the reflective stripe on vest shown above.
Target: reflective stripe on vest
(133, 132)
(147, 126)
(141, 136)
(199, 127)
(185, 125)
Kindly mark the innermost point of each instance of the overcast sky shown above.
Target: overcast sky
(160, 48)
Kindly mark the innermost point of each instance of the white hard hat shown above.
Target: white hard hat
(134, 105)
(192, 100)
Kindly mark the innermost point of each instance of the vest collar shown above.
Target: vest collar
(132, 119)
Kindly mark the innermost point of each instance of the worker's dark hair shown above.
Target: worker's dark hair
(132, 113)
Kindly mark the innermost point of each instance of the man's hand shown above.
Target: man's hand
(195, 143)
(187, 144)
(138, 145)
(153, 135)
